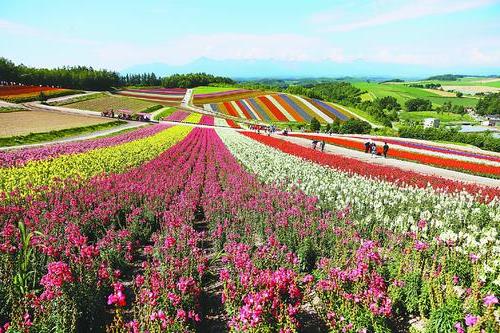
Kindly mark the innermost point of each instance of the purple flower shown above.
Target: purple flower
(471, 320)
(490, 300)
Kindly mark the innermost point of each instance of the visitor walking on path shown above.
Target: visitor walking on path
(314, 143)
(322, 145)
(374, 149)
(386, 149)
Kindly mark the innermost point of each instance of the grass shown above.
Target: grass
(112, 102)
(209, 90)
(358, 112)
(445, 117)
(55, 135)
(79, 99)
(8, 109)
(466, 81)
(403, 93)
(165, 112)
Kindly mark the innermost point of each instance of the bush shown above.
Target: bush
(418, 104)
(315, 126)
(481, 140)
(355, 126)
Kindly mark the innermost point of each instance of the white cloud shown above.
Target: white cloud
(343, 21)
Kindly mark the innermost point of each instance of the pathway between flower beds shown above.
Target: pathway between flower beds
(420, 168)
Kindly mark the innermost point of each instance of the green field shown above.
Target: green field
(165, 112)
(444, 117)
(112, 102)
(209, 90)
(466, 81)
(403, 93)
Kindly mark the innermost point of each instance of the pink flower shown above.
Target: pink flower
(473, 258)
(459, 327)
(490, 300)
(421, 246)
(117, 297)
(471, 320)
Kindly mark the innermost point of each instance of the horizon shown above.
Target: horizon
(287, 40)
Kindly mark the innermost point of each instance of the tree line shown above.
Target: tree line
(88, 78)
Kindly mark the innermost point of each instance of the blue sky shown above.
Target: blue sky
(438, 34)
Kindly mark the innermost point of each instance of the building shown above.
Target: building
(491, 120)
(431, 122)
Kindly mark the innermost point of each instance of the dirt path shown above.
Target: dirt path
(406, 165)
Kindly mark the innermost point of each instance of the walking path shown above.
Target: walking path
(406, 165)
(87, 136)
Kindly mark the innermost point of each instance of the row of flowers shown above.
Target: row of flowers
(32, 175)
(371, 271)
(480, 167)
(435, 148)
(20, 157)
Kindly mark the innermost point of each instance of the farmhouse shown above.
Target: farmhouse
(492, 120)
(431, 122)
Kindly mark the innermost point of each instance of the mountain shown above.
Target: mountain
(241, 69)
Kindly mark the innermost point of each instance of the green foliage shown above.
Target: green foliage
(193, 80)
(388, 102)
(443, 318)
(418, 104)
(42, 97)
(152, 108)
(459, 94)
(78, 77)
(446, 77)
(315, 126)
(354, 125)
(489, 104)
(482, 140)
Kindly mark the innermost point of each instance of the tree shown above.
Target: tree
(314, 125)
(459, 94)
(489, 104)
(418, 104)
(354, 125)
(388, 102)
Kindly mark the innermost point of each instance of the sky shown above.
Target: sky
(435, 34)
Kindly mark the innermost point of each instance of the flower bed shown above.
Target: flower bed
(22, 156)
(449, 163)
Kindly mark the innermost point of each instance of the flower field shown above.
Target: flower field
(276, 107)
(112, 103)
(167, 96)
(147, 224)
(473, 163)
(19, 94)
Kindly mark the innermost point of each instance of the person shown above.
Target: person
(386, 149)
(314, 143)
(374, 149)
(367, 146)
(323, 143)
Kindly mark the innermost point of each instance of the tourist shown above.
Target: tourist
(374, 149)
(386, 149)
(314, 143)
(323, 143)
(367, 146)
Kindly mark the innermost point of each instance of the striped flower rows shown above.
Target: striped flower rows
(23, 156)
(453, 162)
(280, 108)
(162, 95)
(35, 174)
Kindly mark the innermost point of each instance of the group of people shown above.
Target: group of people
(371, 147)
(322, 145)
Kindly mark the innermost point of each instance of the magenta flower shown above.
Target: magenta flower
(459, 327)
(490, 300)
(471, 320)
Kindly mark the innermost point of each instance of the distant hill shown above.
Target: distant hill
(446, 77)
(272, 68)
